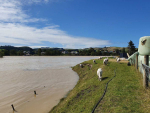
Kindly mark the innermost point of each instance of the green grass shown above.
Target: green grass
(125, 93)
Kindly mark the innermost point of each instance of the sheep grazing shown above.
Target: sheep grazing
(94, 62)
(81, 65)
(105, 61)
(90, 66)
(99, 57)
(118, 59)
(128, 64)
(99, 73)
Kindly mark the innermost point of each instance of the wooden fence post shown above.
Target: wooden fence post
(13, 107)
(136, 62)
(145, 78)
(35, 92)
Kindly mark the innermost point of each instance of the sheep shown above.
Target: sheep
(118, 59)
(90, 66)
(128, 64)
(99, 73)
(99, 57)
(94, 62)
(81, 65)
(105, 61)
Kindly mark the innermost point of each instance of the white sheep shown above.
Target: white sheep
(99, 57)
(81, 65)
(118, 59)
(94, 62)
(99, 73)
(105, 61)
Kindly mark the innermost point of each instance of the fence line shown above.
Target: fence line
(147, 71)
(145, 67)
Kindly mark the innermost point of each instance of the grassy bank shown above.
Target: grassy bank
(124, 94)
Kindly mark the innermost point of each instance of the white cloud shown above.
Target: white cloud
(11, 11)
(13, 29)
(22, 34)
(40, 1)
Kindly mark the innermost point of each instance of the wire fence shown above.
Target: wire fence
(132, 62)
(147, 70)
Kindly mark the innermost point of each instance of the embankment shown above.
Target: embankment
(124, 94)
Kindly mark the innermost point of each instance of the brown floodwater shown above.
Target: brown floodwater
(51, 77)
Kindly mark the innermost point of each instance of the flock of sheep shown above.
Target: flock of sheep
(99, 71)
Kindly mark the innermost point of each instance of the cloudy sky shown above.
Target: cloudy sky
(73, 23)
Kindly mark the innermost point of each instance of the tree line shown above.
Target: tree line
(20, 51)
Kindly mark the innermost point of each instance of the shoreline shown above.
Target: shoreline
(62, 99)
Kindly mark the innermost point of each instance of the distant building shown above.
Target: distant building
(26, 53)
(64, 52)
(74, 52)
(42, 53)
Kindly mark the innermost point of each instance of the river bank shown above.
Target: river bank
(125, 92)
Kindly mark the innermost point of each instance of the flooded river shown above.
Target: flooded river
(50, 76)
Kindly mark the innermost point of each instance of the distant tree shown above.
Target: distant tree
(13, 52)
(93, 53)
(123, 50)
(99, 52)
(69, 50)
(1, 54)
(39, 51)
(6, 52)
(47, 52)
(91, 50)
(117, 51)
(131, 47)
(107, 53)
(20, 53)
(103, 53)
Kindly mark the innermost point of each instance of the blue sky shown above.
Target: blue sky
(73, 23)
